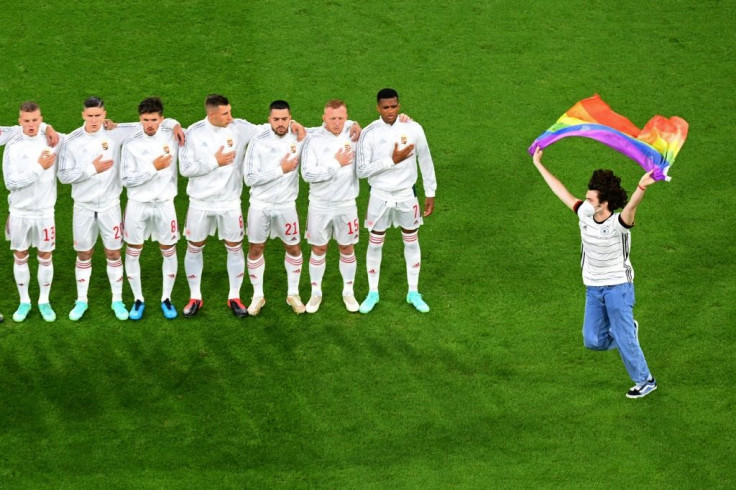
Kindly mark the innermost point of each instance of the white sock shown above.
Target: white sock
(373, 260)
(413, 258)
(45, 278)
(115, 276)
(317, 266)
(22, 274)
(235, 269)
(193, 265)
(169, 268)
(133, 271)
(82, 273)
(293, 266)
(256, 269)
(348, 267)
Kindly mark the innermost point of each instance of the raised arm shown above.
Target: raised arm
(553, 182)
(627, 215)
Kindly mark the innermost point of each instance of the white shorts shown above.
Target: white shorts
(280, 223)
(25, 232)
(87, 224)
(342, 225)
(201, 223)
(382, 215)
(156, 221)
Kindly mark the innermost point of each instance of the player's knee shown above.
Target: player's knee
(293, 250)
(255, 250)
(112, 254)
(85, 255)
(320, 249)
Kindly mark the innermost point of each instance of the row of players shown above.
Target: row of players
(217, 155)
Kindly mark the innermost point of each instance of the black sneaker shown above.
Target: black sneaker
(238, 309)
(192, 308)
(642, 389)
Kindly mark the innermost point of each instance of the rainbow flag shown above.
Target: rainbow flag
(654, 147)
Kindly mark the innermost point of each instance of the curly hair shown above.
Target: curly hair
(609, 189)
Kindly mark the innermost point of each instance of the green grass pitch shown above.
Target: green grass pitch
(492, 388)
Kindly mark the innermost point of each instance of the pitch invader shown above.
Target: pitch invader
(271, 172)
(90, 161)
(29, 171)
(388, 153)
(212, 159)
(327, 165)
(148, 171)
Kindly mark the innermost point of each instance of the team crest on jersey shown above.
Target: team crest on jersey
(605, 231)
(166, 149)
(347, 146)
(403, 139)
(105, 145)
(293, 148)
(229, 142)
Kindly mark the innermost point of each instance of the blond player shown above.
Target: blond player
(29, 172)
(327, 164)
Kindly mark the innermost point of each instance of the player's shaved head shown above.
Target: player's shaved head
(94, 102)
(214, 101)
(279, 105)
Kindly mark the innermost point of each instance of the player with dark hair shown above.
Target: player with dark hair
(607, 272)
(148, 171)
(212, 159)
(388, 153)
(271, 172)
(90, 160)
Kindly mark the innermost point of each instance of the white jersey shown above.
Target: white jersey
(263, 174)
(374, 162)
(92, 190)
(32, 189)
(605, 250)
(329, 182)
(212, 187)
(139, 176)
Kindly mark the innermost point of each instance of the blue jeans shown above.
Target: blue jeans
(609, 324)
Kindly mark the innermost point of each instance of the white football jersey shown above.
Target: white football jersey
(605, 250)
(263, 174)
(32, 188)
(328, 180)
